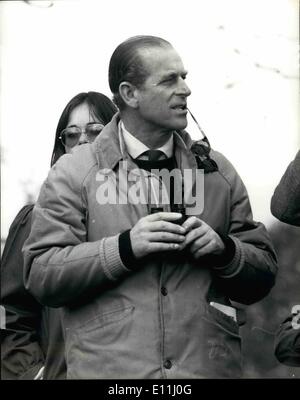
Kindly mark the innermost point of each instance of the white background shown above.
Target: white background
(242, 58)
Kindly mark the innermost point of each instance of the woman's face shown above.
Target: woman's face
(80, 124)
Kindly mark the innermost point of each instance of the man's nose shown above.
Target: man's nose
(183, 89)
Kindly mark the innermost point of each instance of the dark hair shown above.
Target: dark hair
(126, 64)
(101, 107)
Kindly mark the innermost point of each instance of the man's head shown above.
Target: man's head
(146, 76)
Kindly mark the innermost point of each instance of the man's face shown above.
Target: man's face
(163, 96)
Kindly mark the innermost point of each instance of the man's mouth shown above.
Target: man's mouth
(180, 107)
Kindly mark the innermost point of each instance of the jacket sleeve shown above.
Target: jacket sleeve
(250, 275)
(21, 354)
(287, 342)
(285, 203)
(60, 265)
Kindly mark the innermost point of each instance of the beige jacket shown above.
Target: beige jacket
(156, 321)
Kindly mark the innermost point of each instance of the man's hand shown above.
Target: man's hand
(155, 233)
(201, 239)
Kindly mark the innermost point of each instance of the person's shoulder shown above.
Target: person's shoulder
(81, 156)
(225, 167)
(20, 225)
(78, 163)
(202, 148)
(220, 159)
(213, 161)
(23, 215)
(297, 158)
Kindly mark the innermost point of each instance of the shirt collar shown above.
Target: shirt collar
(135, 147)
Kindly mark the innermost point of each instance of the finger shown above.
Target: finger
(165, 237)
(205, 250)
(194, 234)
(162, 246)
(166, 226)
(192, 222)
(163, 216)
(199, 244)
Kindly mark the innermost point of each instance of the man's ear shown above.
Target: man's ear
(128, 92)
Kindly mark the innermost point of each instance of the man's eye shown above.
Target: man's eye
(169, 80)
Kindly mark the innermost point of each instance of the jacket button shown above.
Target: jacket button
(164, 291)
(168, 364)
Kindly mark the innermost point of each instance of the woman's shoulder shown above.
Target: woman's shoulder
(18, 232)
(23, 215)
(76, 165)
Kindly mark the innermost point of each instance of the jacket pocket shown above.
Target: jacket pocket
(219, 317)
(222, 344)
(93, 348)
(104, 319)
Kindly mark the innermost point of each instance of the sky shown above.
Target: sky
(242, 61)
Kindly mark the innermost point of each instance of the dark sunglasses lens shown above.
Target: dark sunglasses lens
(93, 131)
(70, 138)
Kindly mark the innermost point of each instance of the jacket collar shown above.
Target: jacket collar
(110, 148)
(107, 145)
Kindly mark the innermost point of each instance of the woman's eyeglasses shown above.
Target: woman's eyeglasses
(70, 136)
